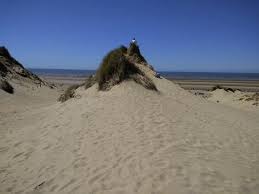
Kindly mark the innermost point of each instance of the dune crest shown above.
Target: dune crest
(14, 72)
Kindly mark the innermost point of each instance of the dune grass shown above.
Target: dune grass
(69, 93)
(134, 52)
(223, 88)
(4, 85)
(3, 70)
(90, 81)
(116, 67)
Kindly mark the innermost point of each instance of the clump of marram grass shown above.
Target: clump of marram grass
(220, 87)
(216, 87)
(123, 49)
(90, 81)
(4, 85)
(116, 67)
(113, 69)
(143, 80)
(3, 69)
(254, 98)
(69, 93)
(134, 52)
(230, 90)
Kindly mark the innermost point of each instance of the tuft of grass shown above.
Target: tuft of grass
(249, 99)
(4, 85)
(69, 93)
(220, 87)
(116, 67)
(90, 81)
(134, 52)
(144, 81)
(4, 52)
(123, 49)
(113, 69)
(230, 90)
(216, 87)
(254, 97)
(3, 69)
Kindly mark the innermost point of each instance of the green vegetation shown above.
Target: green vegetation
(254, 97)
(230, 90)
(216, 87)
(123, 49)
(4, 85)
(134, 52)
(90, 81)
(117, 67)
(69, 93)
(3, 70)
(114, 68)
(220, 87)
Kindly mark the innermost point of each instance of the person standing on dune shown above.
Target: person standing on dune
(134, 41)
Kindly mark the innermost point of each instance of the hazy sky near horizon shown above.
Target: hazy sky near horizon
(175, 35)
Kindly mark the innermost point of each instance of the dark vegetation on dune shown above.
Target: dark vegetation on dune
(254, 97)
(134, 52)
(114, 68)
(4, 85)
(89, 82)
(69, 93)
(3, 70)
(220, 87)
(11, 68)
(118, 65)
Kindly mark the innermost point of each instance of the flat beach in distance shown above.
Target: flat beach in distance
(247, 82)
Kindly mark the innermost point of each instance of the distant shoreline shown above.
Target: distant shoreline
(168, 74)
(188, 84)
(187, 80)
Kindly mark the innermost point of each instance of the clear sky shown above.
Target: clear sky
(176, 35)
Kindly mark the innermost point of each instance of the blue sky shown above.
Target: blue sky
(180, 35)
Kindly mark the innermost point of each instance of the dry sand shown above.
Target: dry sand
(127, 140)
(206, 84)
(235, 99)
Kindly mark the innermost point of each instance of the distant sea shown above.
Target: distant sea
(168, 74)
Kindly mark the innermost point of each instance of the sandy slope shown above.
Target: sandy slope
(130, 140)
(235, 99)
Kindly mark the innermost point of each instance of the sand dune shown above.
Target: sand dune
(129, 140)
(240, 100)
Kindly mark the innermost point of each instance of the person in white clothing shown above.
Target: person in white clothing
(134, 40)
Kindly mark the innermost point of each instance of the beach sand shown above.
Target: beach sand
(188, 84)
(127, 140)
(242, 85)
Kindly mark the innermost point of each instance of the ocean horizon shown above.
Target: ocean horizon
(167, 74)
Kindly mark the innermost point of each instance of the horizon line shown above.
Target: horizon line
(176, 71)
